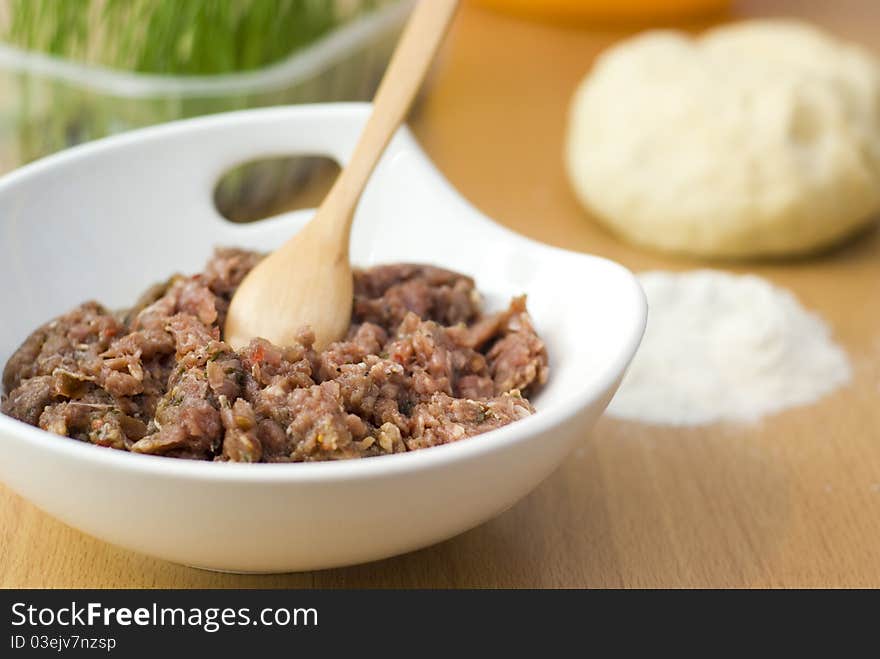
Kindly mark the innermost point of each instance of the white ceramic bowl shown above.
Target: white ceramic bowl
(105, 220)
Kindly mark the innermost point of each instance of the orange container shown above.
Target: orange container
(610, 10)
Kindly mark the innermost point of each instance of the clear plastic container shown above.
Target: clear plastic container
(49, 103)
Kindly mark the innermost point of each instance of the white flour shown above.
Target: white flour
(725, 347)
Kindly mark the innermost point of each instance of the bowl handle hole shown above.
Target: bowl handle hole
(261, 188)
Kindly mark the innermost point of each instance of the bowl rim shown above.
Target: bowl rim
(378, 466)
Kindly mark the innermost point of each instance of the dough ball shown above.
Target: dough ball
(759, 138)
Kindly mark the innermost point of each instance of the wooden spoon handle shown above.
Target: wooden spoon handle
(410, 62)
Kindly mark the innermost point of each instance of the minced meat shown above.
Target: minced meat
(420, 366)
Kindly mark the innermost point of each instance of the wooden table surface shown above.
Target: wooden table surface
(792, 501)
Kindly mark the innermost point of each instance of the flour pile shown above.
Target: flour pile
(725, 347)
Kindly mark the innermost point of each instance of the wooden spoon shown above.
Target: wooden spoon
(308, 281)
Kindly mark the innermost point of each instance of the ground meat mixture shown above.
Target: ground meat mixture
(420, 366)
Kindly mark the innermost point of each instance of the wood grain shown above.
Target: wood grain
(792, 501)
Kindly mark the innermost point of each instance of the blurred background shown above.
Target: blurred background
(77, 70)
